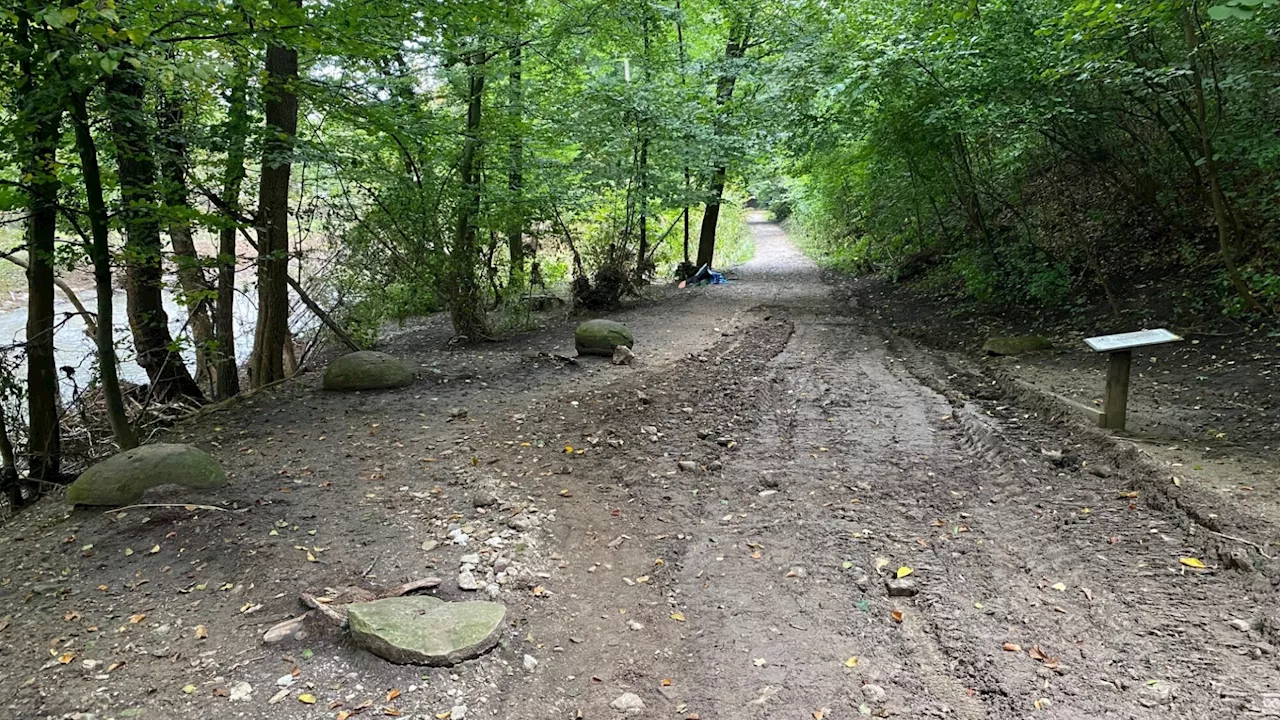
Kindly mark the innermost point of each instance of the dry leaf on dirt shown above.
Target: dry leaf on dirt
(896, 615)
(202, 633)
(307, 698)
(1011, 647)
(904, 571)
(135, 619)
(1192, 562)
(678, 617)
(392, 694)
(851, 662)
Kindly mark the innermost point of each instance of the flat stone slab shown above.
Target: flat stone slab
(367, 370)
(424, 630)
(122, 478)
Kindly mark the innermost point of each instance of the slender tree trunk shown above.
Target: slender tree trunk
(515, 175)
(467, 309)
(739, 30)
(272, 332)
(100, 252)
(143, 251)
(10, 482)
(44, 442)
(178, 211)
(226, 370)
(1221, 213)
(642, 170)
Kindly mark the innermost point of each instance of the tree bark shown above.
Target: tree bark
(466, 308)
(272, 332)
(100, 252)
(44, 443)
(226, 370)
(143, 251)
(739, 30)
(515, 175)
(178, 212)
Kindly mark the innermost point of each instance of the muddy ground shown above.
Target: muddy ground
(827, 457)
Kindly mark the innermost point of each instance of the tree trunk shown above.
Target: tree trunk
(515, 175)
(100, 252)
(466, 308)
(178, 213)
(272, 332)
(1221, 213)
(226, 372)
(739, 30)
(144, 267)
(44, 442)
(642, 200)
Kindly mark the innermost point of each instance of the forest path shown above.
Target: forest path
(844, 468)
(711, 529)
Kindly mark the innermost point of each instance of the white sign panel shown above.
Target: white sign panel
(1130, 340)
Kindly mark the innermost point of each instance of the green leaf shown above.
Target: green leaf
(1227, 12)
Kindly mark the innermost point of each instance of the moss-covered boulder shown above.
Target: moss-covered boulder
(424, 630)
(1016, 345)
(367, 370)
(600, 337)
(123, 478)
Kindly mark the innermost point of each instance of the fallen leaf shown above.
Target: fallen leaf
(1192, 562)
(155, 549)
(1041, 704)
(818, 715)
(310, 557)
(392, 694)
(66, 658)
(202, 633)
(1036, 653)
(896, 615)
(307, 698)
(135, 619)
(344, 715)
(881, 563)
(190, 689)
(666, 682)
(851, 662)
(1130, 495)
(568, 449)
(678, 617)
(128, 552)
(1060, 587)
(904, 571)
(1011, 647)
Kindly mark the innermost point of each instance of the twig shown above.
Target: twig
(189, 506)
(339, 618)
(1250, 543)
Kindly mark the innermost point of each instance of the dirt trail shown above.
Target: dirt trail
(711, 529)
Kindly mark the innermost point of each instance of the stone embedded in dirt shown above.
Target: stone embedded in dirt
(1241, 625)
(458, 712)
(467, 581)
(687, 465)
(1016, 344)
(367, 370)
(241, 692)
(902, 587)
(530, 663)
(123, 478)
(472, 559)
(425, 630)
(873, 693)
(1157, 692)
(629, 703)
(429, 545)
(601, 337)
(483, 499)
(622, 355)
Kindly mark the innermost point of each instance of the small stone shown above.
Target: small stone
(622, 355)
(493, 590)
(715, 465)
(467, 581)
(873, 693)
(629, 703)
(902, 587)
(457, 413)
(1241, 625)
(519, 523)
(643, 398)
(724, 441)
(649, 429)
(1240, 560)
(1157, 692)
(530, 663)
(241, 692)
(687, 466)
(429, 545)
(483, 499)
(285, 680)
(796, 572)
(472, 559)
(704, 434)
(458, 712)
(634, 625)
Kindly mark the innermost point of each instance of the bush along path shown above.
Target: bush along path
(766, 514)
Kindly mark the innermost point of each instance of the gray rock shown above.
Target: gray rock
(123, 478)
(367, 370)
(1241, 625)
(458, 712)
(241, 692)
(629, 703)
(687, 466)
(1016, 344)
(424, 630)
(530, 663)
(902, 587)
(622, 355)
(873, 693)
(467, 581)
(601, 337)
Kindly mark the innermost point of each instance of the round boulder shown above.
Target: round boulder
(601, 337)
(123, 478)
(367, 370)
(425, 630)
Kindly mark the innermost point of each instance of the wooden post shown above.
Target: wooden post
(1117, 389)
